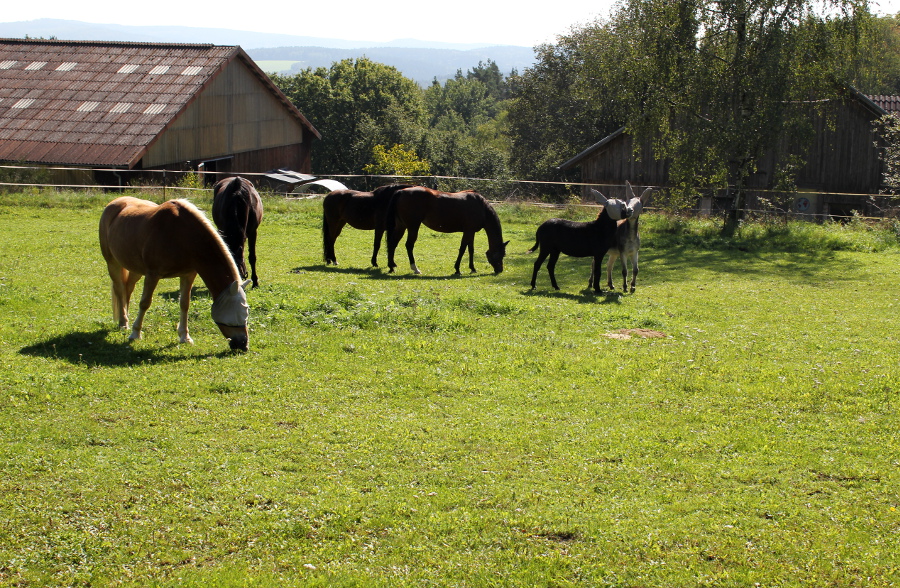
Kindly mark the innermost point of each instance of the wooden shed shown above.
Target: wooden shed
(125, 107)
(841, 164)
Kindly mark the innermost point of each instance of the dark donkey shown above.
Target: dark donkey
(579, 239)
(461, 212)
(237, 212)
(361, 210)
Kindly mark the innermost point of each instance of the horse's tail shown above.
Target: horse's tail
(327, 243)
(537, 243)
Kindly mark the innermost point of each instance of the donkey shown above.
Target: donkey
(628, 242)
(579, 239)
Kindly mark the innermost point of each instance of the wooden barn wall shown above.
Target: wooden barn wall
(234, 114)
(843, 157)
(616, 162)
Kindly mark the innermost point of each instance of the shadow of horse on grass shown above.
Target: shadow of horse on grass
(94, 348)
(376, 273)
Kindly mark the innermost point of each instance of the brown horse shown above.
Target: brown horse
(461, 212)
(173, 239)
(237, 211)
(361, 210)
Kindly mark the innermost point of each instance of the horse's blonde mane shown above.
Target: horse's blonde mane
(187, 204)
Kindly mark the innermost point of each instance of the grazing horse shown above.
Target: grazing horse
(173, 239)
(579, 239)
(237, 211)
(628, 242)
(462, 212)
(361, 210)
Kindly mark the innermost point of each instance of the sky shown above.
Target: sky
(460, 21)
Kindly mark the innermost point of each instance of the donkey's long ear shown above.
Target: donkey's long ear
(630, 194)
(646, 195)
(600, 197)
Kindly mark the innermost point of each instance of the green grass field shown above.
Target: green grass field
(401, 430)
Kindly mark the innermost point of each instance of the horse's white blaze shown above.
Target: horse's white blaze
(230, 307)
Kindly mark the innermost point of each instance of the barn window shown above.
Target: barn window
(67, 66)
(128, 68)
(23, 103)
(88, 107)
(159, 70)
(155, 109)
(36, 66)
(192, 70)
(121, 107)
(7, 64)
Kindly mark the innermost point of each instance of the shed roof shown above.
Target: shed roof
(98, 103)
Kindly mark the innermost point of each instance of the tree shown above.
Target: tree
(398, 160)
(356, 105)
(558, 107)
(715, 84)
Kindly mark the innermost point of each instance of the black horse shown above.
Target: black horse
(461, 212)
(579, 239)
(361, 210)
(237, 212)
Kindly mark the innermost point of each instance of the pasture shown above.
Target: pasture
(432, 430)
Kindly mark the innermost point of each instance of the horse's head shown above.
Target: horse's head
(495, 257)
(615, 208)
(230, 312)
(637, 204)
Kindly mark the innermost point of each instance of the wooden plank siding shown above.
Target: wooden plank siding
(235, 114)
(842, 157)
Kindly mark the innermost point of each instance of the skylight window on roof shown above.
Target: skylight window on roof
(23, 103)
(128, 68)
(88, 107)
(67, 66)
(159, 70)
(7, 64)
(121, 107)
(192, 70)
(36, 65)
(155, 109)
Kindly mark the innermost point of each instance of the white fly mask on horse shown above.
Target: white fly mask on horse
(615, 208)
(230, 308)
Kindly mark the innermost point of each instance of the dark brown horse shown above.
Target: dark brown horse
(462, 212)
(139, 238)
(361, 210)
(237, 212)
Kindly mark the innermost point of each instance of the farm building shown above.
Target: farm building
(131, 107)
(841, 165)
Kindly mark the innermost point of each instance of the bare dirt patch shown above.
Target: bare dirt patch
(629, 333)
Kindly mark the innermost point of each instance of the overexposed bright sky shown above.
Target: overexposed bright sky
(461, 21)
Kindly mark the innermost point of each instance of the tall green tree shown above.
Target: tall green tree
(716, 84)
(356, 104)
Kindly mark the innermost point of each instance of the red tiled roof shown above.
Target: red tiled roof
(98, 103)
(889, 103)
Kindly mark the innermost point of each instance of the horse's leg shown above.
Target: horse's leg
(542, 254)
(150, 283)
(379, 231)
(331, 233)
(184, 302)
(598, 262)
(634, 270)
(393, 239)
(119, 277)
(412, 235)
(466, 242)
(251, 254)
(610, 264)
(551, 265)
(131, 279)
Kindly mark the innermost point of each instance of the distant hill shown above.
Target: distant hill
(420, 60)
(422, 65)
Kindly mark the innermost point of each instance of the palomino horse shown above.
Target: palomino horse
(579, 239)
(237, 211)
(361, 210)
(463, 212)
(173, 239)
